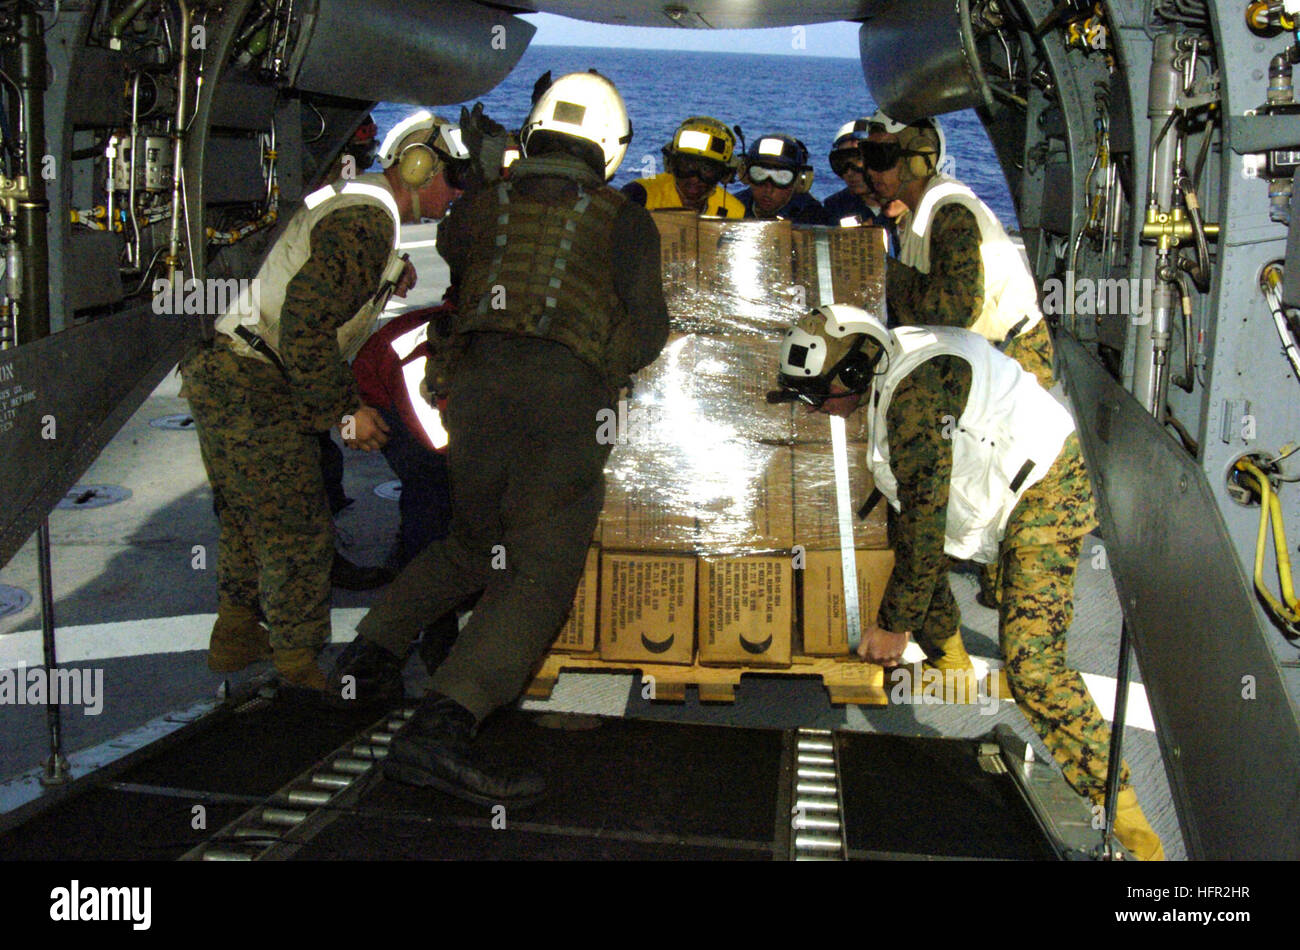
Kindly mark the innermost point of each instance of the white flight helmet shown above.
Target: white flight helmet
(585, 106)
(851, 133)
(827, 346)
(885, 123)
(421, 145)
(907, 133)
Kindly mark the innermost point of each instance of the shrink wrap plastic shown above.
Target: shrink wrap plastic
(702, 463)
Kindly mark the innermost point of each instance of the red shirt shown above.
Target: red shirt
(389, 369)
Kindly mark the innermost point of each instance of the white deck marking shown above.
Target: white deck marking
(107, 641)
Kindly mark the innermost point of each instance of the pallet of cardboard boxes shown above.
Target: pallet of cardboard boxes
(718, 545)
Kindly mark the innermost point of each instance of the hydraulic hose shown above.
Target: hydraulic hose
(1271, 509)
(1200, 271)
(1269, 281)
(1187, 383)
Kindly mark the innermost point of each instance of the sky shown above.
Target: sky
(839, 40)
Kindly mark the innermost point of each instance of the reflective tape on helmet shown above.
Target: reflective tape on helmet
(697, 141)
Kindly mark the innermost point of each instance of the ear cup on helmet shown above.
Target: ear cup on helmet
(921, 166)
(803, 184)
(417, 166)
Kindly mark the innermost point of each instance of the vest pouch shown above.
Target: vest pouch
(446, 353)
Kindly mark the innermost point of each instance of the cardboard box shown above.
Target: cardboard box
(745, 276)
(742, 495)
(858, 265)
(816, 516)
(746, 610)
(647, 608)
(647, 503)
(578, 635)
(700, 495)
(640, 514)
(706, 388)
(815, 427)
(651, 413)
(732, 376)
(825, 630)
(679, 251)
(856, 257)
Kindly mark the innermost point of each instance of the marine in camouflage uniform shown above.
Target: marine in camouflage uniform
(952, 294)
(258, 435)
(1038, 556)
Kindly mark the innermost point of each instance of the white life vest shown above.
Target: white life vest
(258, 308)
(1008, 436)
(1010, 295)
(430, 419)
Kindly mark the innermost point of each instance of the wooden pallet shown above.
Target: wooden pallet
(847, 681)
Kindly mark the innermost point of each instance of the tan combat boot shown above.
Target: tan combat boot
(298, 667)
(238, 640)
(950, 675)
(1134, 831)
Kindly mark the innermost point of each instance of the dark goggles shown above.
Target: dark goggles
(706, 170)
(845, 159)
(882, 156)
(781, 177)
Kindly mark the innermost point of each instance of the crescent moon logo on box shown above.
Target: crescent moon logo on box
(655, 646)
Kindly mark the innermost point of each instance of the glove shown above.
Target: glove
(543, 83)
(485, 140)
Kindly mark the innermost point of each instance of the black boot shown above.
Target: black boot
(436, 640)
(349, 576)
(435, 750)
(375, 677)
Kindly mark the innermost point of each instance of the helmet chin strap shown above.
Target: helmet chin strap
(415, 203)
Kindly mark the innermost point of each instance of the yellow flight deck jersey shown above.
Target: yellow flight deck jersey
(661, 192)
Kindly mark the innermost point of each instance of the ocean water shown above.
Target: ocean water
(807, 97)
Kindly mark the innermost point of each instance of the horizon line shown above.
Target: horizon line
(665, 49)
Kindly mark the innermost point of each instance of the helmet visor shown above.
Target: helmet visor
(880, 156)
(842, 160)
(781, 177)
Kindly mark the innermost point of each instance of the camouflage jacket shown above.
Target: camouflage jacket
(952, 294)
(925, 406)
(349, 250)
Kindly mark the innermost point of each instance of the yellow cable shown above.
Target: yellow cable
(1271, 508)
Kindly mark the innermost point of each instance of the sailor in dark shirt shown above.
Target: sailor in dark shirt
(777, 171)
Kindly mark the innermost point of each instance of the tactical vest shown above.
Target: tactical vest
(661, 192)
(261, 313)
(543, 268)
(1007, 438)
(1010, 297)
